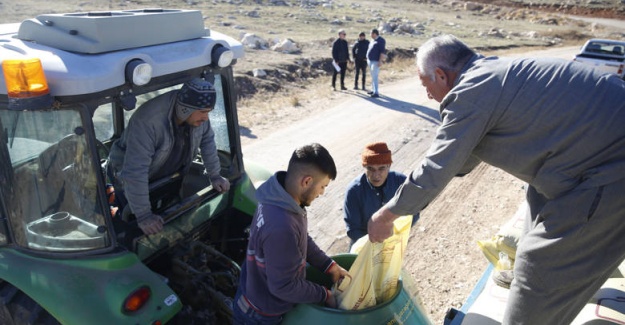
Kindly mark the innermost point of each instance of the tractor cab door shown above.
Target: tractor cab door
(50, 181)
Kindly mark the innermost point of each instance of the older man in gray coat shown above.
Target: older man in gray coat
(555, 124)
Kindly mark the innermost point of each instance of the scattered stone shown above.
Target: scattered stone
(471, 6)
(385, 28)
(252, 41)
(286, 46)
(259, 73)
(253, 14)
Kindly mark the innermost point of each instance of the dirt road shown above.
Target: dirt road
(443, 259)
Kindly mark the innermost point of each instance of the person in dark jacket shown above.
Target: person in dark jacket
(273, 277)
(371, 190)
(340, 56)
(359, 53)
(375, 57)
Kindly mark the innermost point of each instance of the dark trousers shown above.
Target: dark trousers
(361, 65)
(571, 246)
(343, 66)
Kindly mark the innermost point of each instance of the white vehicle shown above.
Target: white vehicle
(606, 55)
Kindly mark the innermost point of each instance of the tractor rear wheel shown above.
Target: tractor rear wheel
(17, 308)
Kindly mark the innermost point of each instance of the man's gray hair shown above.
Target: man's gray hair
(445, 52)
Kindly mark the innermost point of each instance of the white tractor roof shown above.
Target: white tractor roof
(99, 32)
(85, 53)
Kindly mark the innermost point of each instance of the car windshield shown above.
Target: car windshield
(49, 181)
(605, 48)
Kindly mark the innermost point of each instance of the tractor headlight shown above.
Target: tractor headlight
(138, 72)
(222, 56)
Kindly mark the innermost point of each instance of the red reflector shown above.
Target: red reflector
(157, 322)
(137, 299)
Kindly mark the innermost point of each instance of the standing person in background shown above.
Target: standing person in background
(359, 53)
(340, 56)
(375, 55)
(553, 123)
(371, 190)
(273, 277)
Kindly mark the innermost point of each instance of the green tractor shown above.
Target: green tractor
(69, 84)
(68, 87)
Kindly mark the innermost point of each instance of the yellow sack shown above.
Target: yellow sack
(375, 272)
(500, 250)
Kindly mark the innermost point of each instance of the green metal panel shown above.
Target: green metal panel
(178, 228)
(244, 196)
(89, 290)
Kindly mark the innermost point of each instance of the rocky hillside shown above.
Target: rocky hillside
(288, 41)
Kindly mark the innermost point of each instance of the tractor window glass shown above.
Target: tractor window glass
(103, 122)
(50, 189)
(218, 116)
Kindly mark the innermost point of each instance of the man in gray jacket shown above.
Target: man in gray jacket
(555, 124)
(162, 138)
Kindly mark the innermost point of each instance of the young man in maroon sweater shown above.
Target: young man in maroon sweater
(273, 277)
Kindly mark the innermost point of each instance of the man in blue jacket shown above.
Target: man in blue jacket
(162, 138)
(273, 277)
(375, 55)
(556, 125)
(371, 190)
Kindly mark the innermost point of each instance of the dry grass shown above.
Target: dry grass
(398, 69)
(314, 29)
(284, 106)
(287, 104)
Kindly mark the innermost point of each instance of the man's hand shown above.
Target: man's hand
(331, 300)
(220, 184)
(150, 224)
(337, 272)
(380, 226)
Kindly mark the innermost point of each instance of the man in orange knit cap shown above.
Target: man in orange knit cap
(370, 191)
